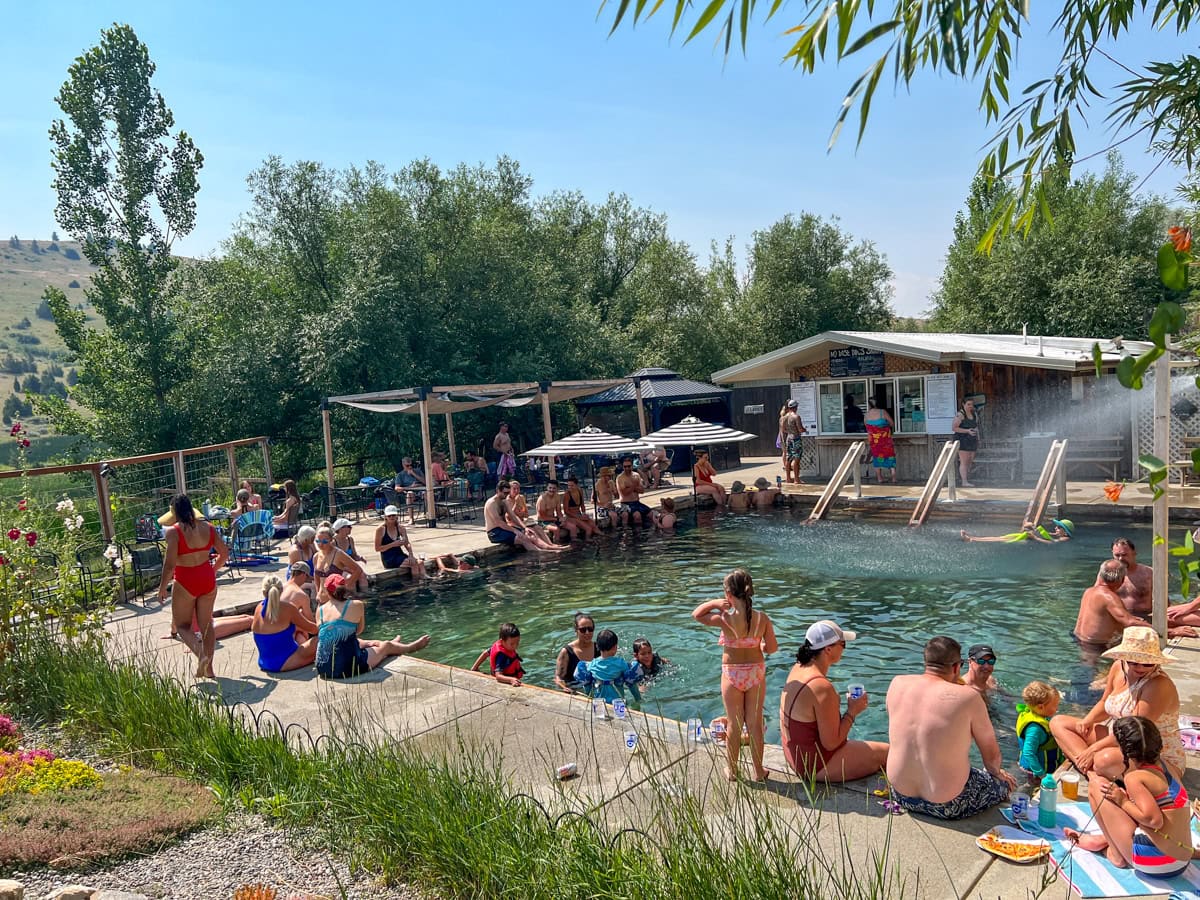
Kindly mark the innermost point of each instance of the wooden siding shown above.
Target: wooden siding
(764, 425)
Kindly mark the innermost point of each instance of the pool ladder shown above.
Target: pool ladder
(943, 470)
(1053, 477)
(847, 467)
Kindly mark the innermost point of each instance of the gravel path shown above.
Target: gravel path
(212, 864)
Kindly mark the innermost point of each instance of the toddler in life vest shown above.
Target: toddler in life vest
(1039, 752)
(608, 674)
(503, 658)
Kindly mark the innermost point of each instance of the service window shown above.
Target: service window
(911, 405)
(831, 408)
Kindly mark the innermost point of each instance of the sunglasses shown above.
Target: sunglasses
(586, 629)
(324, 541)
(985, 660)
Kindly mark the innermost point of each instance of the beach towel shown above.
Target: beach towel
(1090, 874)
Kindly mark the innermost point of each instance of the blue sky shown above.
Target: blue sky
(722, 148)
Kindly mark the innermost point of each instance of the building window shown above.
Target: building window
(911, 407)
(843, 404)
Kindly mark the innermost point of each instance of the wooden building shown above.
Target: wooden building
(1030, 389)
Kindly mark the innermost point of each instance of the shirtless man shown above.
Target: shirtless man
(604, 494)
(790, 431)
(1102, 616)
(502, 528)
(630, 488)
(502, 444)
(299, 589)
(550, 514)
(932, 721)
(1137, 593)
(981, 669)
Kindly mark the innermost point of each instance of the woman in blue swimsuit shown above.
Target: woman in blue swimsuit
(275, 631)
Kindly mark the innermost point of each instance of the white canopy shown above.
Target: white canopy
(691, 432)
(590, 441)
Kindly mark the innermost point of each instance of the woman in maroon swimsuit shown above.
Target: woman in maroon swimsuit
(811, 723)
(189, 559)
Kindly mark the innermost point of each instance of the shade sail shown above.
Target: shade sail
(590, 442)
(692, 432)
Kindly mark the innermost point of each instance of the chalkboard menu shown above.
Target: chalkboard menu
(849, 361)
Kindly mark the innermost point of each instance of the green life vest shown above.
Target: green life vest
(1048, 751)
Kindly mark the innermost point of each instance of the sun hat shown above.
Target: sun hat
(167, 519)
(1066, 525)
(737, 487)
(339, 524)
(762, 484)
(391, 511)
(793, 404)
(826, 633)
(1139, 644)
(333, 582)
(606, 470)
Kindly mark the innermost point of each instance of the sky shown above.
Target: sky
(722, 147)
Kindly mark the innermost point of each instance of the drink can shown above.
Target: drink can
(631, 741)
(619, 708)
(1020, 805)
(567, 770)
(855, 690)
(695, 728)
(599, 708)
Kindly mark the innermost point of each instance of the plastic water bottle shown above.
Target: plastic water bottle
(1048, 802)
(779, 482)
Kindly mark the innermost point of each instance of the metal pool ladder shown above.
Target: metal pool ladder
(1054, 476)
(943, 469)
(846, 467)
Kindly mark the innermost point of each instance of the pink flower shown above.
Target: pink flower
(31, 538)
(14, 533)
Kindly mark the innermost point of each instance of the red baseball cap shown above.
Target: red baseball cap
(333, 582)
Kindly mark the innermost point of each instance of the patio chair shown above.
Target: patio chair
(44, 587)
(146, 528)
(250, 539)
(147, 559)
(98, 572)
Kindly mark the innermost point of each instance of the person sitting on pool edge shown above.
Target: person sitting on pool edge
(503, 658)
(1063, 530)
(503, 528)
(1039, 750)
(607, 675)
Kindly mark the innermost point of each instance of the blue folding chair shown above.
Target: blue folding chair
(250, 539)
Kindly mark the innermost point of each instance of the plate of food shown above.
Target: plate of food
(1013, 844)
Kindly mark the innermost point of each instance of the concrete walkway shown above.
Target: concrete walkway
(530, 731)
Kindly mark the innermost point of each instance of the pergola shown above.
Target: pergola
(452, 399)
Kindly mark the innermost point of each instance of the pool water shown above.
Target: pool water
(896, 587)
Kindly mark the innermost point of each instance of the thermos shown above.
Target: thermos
(1048, 802)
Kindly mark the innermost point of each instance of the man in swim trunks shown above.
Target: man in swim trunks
(791, 430)
(550, 514)
(604, 495)
(932, 722)
(502, 528)
(1137, 593)
(502, 443)
(630, 488)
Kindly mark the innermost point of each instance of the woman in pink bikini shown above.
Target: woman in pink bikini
(746, 635)
(813, 728)
(190, 543)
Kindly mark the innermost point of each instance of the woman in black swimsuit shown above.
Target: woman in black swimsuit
(575, 510)
(966, 431)
(583, 648)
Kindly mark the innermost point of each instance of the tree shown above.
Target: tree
(1093, 274)
(808, 276)
(126, 190)
(977, 40)
(54, 236)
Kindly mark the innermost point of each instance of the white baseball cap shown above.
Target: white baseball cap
(826, 633)
(391, 511)
(340, 524)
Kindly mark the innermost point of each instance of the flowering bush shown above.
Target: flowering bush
(39, 771)
(10, 734)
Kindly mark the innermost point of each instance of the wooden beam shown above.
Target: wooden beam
(103, 504)
(427, 452)
(641, 409)
(450, 439)
(266, 452)
(180, 472)
(231, 458)
(325, 430)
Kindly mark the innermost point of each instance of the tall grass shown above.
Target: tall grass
(447, 822)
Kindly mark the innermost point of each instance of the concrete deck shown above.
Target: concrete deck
(440, 709)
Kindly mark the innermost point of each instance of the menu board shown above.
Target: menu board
(941, 403)
(850, 361)
(805, 395)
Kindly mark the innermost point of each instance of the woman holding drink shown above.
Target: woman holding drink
(814, 729)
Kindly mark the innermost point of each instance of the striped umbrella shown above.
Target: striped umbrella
(691, 432)
(591, 441)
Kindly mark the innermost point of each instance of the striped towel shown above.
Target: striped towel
(1090, 874)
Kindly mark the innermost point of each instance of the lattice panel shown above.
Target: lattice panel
(1185, 416)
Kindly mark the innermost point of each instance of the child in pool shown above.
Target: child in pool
(608, 674)
(502, 656)
(664, 517)
(1039, 752)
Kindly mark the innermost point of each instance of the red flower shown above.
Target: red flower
(22, 505)
(1181, 238)
(24, 442)
(31, 538)
(14, 533)
(3, 560)
(16, 429)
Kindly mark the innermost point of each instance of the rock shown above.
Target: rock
(118, 895)
(71, 892)
(11, 890)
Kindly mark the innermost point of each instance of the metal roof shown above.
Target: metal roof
(654, 372)
(662, 388)
(1037, 352)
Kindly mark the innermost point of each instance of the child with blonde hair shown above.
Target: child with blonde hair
(1039, 751)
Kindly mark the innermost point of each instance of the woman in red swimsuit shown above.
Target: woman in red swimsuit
(702, 475)
(189, 547)
(811, 722)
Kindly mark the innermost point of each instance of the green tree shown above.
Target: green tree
(976, 40)
(126, 190)
(808, 276)
(1093, 274)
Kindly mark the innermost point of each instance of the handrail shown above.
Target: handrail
(1052, 472)
(943, 468)
(848, 464)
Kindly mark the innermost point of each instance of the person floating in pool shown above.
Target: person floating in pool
(1063, 530)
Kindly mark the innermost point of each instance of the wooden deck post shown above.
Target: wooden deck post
(180, 472)
(231, 458)
(265, 444)
(325, 430)
(641, 409)
(427, 453)
(103, 504)
(450, 439)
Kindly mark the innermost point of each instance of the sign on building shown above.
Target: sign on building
(849, 361)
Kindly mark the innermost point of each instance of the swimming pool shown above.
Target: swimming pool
(896, 587)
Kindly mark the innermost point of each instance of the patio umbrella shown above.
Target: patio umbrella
(692, 432)
(589, 441)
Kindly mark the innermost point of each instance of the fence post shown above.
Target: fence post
(180, 472)
(231, 457)
(328, 456)
(103, 504)
(265, 444)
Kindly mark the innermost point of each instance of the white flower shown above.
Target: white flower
(67, 505)
(79, 521)
(111, 551)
